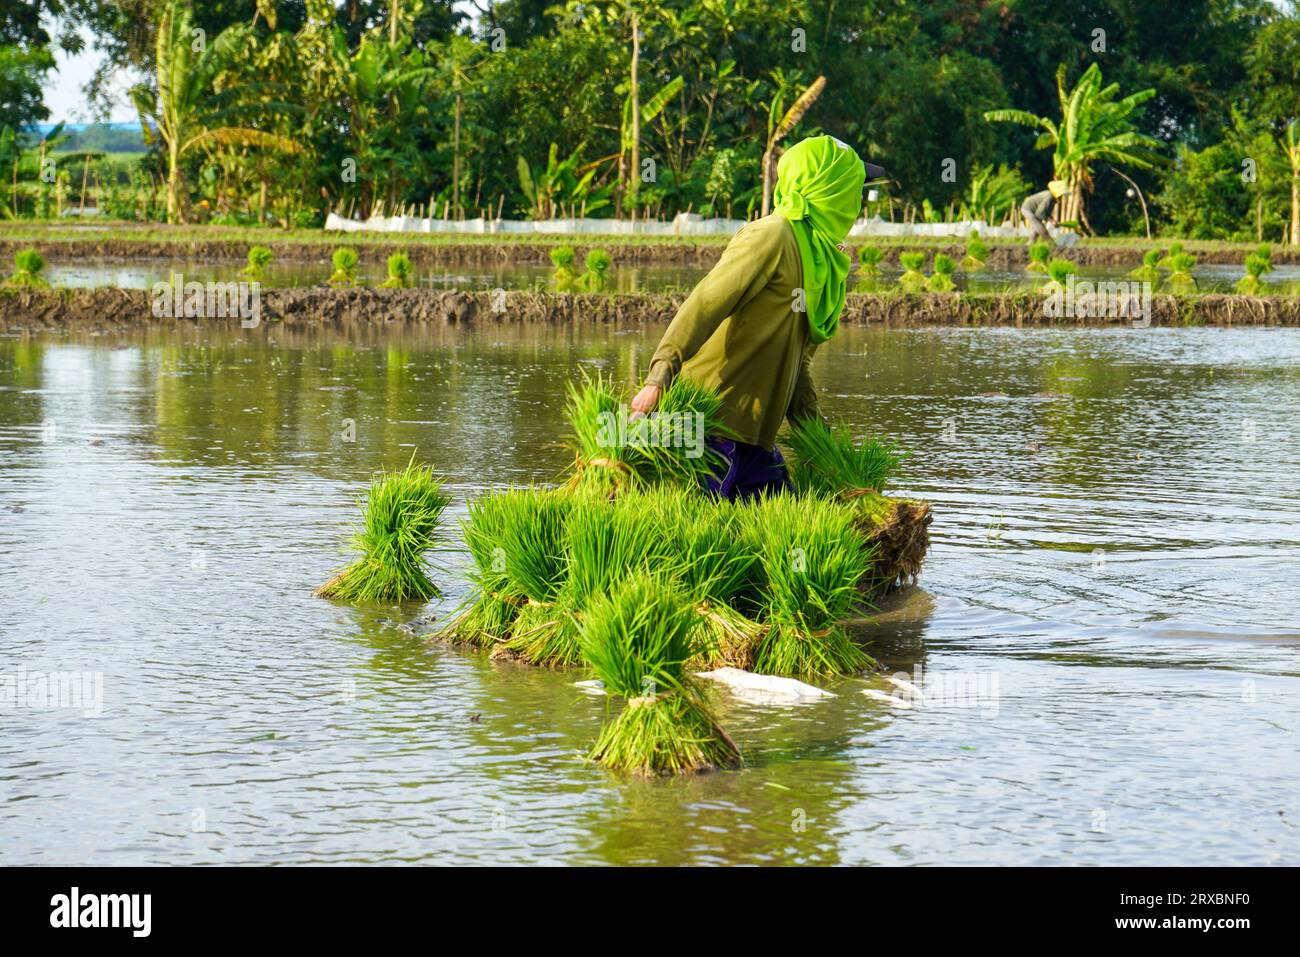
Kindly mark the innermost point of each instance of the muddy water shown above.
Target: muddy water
(1283, 280)
(1108, 627)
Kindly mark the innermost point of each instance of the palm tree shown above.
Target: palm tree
(1095, 126)
(188, 111)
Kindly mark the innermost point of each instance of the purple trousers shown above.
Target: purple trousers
(746, 471)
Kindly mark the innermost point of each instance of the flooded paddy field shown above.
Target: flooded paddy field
(1107, 627)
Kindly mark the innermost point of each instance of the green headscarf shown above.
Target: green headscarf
(819, 190)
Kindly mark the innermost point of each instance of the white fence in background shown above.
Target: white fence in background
(684, 224)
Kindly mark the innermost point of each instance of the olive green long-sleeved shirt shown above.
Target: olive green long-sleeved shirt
(739, 332)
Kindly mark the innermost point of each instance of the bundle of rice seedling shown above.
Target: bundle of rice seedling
(613, 451)
(637, 639)
(941, 281)
(1058, 271)
(401, 516)
(399, 272)
(1167, 260)
(826, 461)
(706, 550)
(1149, 271)
(259, 257)
(1250, 284)
(345, 267)
(869, 259)
(813, 561)
(912, 277)
(534, 561)
(564, 276)
(977, 253)
(1264, 252)
(1182, 266)
(1038, 255)
(488, 613)
(28, 265)
(594, 279)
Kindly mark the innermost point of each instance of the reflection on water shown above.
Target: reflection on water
(1284, 279)
(1115, 558)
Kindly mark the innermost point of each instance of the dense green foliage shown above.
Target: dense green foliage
(527, 109)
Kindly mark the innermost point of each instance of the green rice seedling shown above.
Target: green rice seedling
(1181, 270)
(534, 556)
(399, 272)
(564, 276)
(259, 257)
(813, 561)
(826, 460)
(977, 253)
(941, 281)
(708, 554)
(29, 264)
(913, 279)
(1167, 260)
(637, 640)
(488, 613)
(869, 259)
(401, 516)
(1058, 271)
(613, 451)
(1149, 270)
(1265, 253)
(594, 279)
(1039, 253)
(345, 267)
(1250, 284)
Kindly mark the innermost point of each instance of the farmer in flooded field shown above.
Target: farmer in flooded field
(750, 327)
(1037, 210)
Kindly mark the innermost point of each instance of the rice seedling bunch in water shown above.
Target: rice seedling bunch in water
(827, 461)
(1039, 253)
(1181, 267)
(28, 266)
(1149, 271)
(912, 277)
(401, 516)
(707, 552)
(977, 253)
(608, 541)
(535, 559)
(1059, 271)
(494, 601)
(595, 279)
(399, 272)
(941, 281)
(562, 259)
(1250, 283)
(869, 259)
(1167, 260)
(259, 257)
(637, 640)
(345, 267)
(813, 560)
(1266, 253)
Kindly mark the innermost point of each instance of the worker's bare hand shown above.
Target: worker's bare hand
(644, 402)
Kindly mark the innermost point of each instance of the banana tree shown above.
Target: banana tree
(630, 132)
(1096, 125)
(777, 131)
(188, 110)
(562, 183)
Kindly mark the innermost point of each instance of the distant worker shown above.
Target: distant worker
(1037, 210)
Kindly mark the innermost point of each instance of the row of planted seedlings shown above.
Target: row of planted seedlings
(631, 570)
